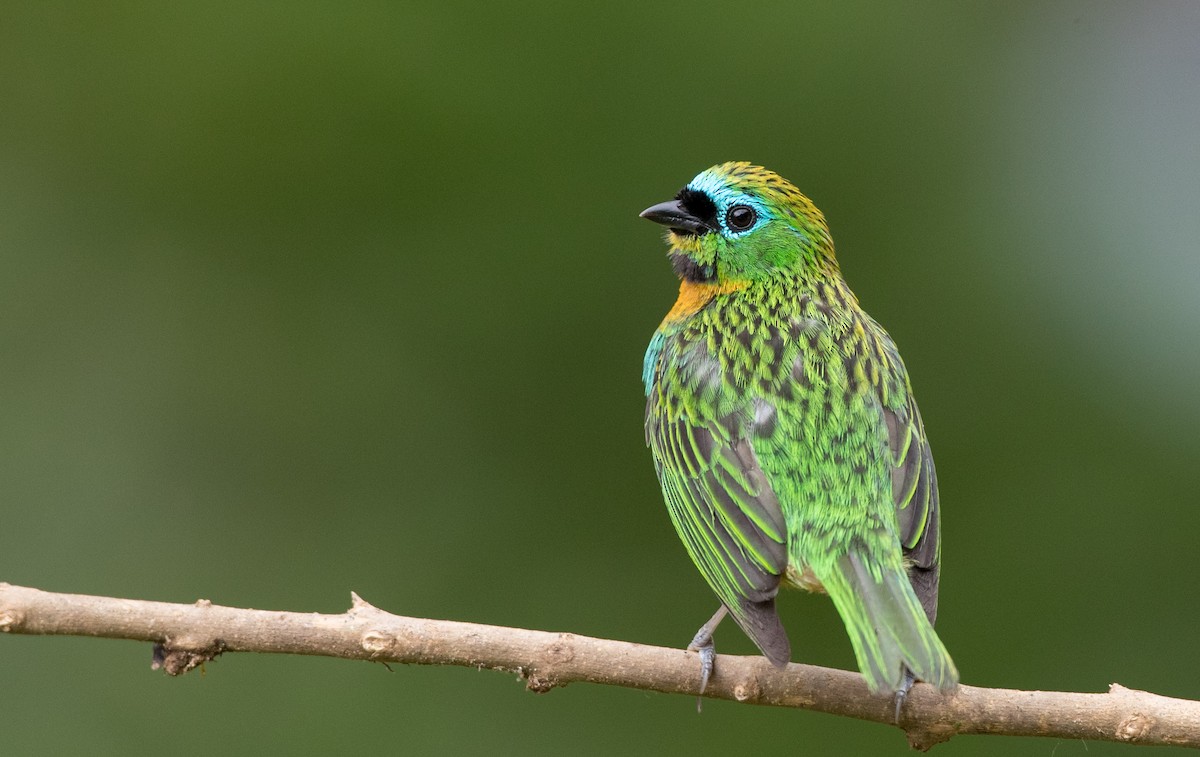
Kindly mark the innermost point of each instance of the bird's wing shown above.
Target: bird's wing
(727, 516)
(914, 489)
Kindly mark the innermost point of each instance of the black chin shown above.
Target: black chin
(691, 271)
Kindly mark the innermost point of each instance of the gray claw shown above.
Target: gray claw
(708, 656)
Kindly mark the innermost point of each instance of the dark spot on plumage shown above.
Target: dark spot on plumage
(785, 392)
(689, 270)
(851, 378)
(775, 341)
(699, 205)
(840, 296)
(745, 338)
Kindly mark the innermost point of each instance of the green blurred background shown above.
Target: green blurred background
(300, 298)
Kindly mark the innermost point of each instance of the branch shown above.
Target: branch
(188, 635)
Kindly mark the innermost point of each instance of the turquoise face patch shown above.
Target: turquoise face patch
(724, 196)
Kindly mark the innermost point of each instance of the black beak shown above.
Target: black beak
(672, 215)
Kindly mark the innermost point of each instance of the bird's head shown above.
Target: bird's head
(740, 223)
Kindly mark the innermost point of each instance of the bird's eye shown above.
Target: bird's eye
(740, 217)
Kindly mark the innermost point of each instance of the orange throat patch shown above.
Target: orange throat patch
(694, 296)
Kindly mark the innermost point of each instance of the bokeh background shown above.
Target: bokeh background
(300, 298)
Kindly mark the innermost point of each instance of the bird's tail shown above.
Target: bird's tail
(887, 626)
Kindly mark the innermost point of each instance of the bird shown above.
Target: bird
(785, 433)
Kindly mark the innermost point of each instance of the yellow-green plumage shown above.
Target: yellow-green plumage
(784, 429)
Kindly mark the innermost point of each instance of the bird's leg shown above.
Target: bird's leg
(902, 692)
(702, 642)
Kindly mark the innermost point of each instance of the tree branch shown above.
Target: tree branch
(188, 635)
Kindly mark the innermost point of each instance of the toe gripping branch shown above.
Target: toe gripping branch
(702, 643)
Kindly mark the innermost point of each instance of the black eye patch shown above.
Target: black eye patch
(699, 205)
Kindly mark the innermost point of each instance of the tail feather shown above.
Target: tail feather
(887, 625)
(761, 623)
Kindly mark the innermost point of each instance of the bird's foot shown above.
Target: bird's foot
(902, 692)
(702, 643)
(708, 657)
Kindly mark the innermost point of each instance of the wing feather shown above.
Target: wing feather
(728, 519)
(914, 489)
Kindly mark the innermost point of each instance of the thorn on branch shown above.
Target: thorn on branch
(358, 603)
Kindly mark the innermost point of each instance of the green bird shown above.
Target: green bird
(785, 433)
